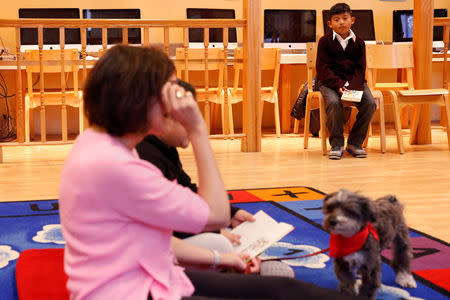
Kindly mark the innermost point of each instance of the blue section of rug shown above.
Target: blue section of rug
(22, 227)
(36, 224)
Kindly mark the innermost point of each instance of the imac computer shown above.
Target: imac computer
(402, 27)
(94, 35)
(289, 29)
(215, 34)
(363, 27)
(29, 36)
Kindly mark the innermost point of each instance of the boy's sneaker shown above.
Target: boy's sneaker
(336, 152)
(358, 152)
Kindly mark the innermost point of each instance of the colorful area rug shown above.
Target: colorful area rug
(36, 225)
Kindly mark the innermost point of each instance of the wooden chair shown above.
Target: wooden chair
(400, 56)
(270, 61)
(193, 60)
(314, 100)
(42, 98)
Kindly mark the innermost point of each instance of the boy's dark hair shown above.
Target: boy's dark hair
(122, 87)
(340, 8)
(187, 87)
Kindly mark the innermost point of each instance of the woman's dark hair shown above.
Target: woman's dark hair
(122, 87)
(340, 8)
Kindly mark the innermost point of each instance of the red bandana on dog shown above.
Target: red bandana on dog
(341, 246)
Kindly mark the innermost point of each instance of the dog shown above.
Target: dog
(359, 230)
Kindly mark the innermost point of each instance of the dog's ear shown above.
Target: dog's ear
(390, 198)
(328, 197)
(369, 211)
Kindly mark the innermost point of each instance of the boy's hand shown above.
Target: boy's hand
(233, 238)
(241, 216)
(342, 89)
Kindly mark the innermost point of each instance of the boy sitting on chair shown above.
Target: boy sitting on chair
(341, 65)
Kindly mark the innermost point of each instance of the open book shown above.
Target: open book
(259, 235)
(352, 95)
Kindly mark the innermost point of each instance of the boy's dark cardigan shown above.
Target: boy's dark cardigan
(335, 66)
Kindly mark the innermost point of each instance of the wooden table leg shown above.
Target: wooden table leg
(285, 97)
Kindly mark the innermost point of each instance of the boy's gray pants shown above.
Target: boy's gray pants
(335, 117)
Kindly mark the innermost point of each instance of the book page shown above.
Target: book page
(259, 235)
(352, 95)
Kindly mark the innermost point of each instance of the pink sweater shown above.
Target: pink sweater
(117, 215)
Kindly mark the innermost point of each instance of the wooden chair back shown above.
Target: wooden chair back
(51, 55)
(270, 60)
(395, 56)
(195, 60)
(311, 54)
(49, 61)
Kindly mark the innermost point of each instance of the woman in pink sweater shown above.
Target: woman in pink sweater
(118, 211)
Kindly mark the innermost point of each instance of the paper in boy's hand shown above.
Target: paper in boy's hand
(259, 235)
(352, 95)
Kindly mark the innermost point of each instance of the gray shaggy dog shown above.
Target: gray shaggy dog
(348, 213)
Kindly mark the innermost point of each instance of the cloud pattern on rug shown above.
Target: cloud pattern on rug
(51, 233)
(6, 255)
(282, 249)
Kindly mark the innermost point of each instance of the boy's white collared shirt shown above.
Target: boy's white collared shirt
(344, 42)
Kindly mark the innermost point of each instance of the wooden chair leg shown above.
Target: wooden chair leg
(43, 125)
(307, 123)
(277, 114)
(447, 110)
(27, 120)
(230, 115)
(81, 117)
(323, 125)
(296, 126)
(444, 120)
(208, 117)
(382, 124)
(224, 110)
(398, 123)
(223, 114)
(64, 130)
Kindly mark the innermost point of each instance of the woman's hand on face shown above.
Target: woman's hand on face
(182, 106)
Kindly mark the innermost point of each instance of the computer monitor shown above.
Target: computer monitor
(94, 35)
(215, 34)
(289, 28)
(29, 36)
(363, 27)
(402, 26)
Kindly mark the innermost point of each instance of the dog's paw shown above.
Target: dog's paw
(405, 280)
(357, 285)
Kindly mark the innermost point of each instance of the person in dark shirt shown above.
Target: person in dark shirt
(340, 66)
(161, 151)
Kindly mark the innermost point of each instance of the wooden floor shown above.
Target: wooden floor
(420, 178)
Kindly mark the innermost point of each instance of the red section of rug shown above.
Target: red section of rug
(40, 275)
(440, 277)
(243, 196)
